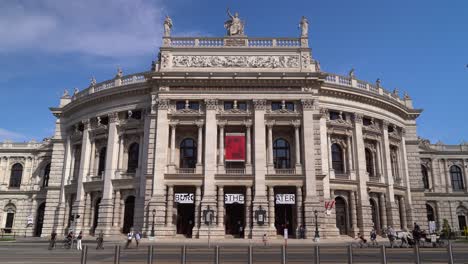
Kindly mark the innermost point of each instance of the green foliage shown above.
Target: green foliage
(446, 229)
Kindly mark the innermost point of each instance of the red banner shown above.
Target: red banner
(235, 147)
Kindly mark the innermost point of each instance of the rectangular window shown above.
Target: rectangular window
(334, 115)
(289, 106)
(366, 121)
(194, 105)
(228, 105)
(180, 105)
(242, 105)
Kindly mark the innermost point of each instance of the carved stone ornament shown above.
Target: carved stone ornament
(113, 117)
(86, 124)
(338, 141)
(305, 60)
(324, 113)
(296, 123)
(424, 143)
(259, 104)
(307, 104)
(211, 104)
(358, 118)
(162, 104)
(283, 61)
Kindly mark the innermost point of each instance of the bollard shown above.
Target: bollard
(317, 254)
(183, 255)
(250, 257)
(84, 254)
(117, 254)
(383, 254)
(283, 254)
(150, 254)
(417, 255)
(350, 254)
(216, 256)
(450, 252)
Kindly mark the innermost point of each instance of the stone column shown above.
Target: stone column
(379, 160)
(121, 164)
(330, 160)
(92, 156)
(383, 211)
(350, 155)
(271, 207)
(311, 196)
(221, 147)
(158, 199)
(465, 174)
(173, 133)
(363, 209)
(352, 208)
(248, 205)
(448, 179)
(196, 224)
(78, 205)
(200, 147)
(248, 161)
(299, 205)
(404, 165)
(270, 146)
(106, 206)
(209, 193)
(87, 211)
(117, 209)
(220, 207)
(388, 177)
(260, 166)
(297, 125)
(170, 206)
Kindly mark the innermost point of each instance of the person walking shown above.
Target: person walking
(137, 238)
(129, 239)
(265, 239)
(100, 240)
(78, 241)
(373, 237)
(53, 238)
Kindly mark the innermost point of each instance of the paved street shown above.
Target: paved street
(36, 252)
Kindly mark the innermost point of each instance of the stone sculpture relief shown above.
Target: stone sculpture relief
(304, 26)
(234, 25)
(167, 26)
(236, 61)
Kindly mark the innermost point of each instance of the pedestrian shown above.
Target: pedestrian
(129, 239)
(53, 237)
(373, 237)
(137, 238)
(100, 240)
(241, 229)
(264, 239)
(78, 241)
(362, 240)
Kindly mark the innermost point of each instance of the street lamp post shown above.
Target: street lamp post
(317, 235)
(152, 226)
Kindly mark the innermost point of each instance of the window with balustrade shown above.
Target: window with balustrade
(193, 105)
(457, 178)
(16, 175)
(337, 158)
(188, 153)
(281, 154)
(133, 156)
(229, 105)
(369, 162)
(282, 106)
(102, 161)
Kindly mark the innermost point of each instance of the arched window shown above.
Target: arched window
(457, 180)
(337, 158)
(188, 153)
(102, 161)
(45, 182)
(281, 154)
(16, 175)
(369, 162)
(10, 211)
(133, 153)
(425, 177)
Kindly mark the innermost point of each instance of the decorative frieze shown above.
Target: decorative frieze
(283, 61)
(358, 118)
(162, 104)
(113, 117)
(259, 104)
(307, 104)
(211, 104)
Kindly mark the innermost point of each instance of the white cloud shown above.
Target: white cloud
(113, 28)
(10, 135)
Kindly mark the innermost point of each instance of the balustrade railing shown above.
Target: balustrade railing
(185, 170)
(235, 171)
(291, 171)
(239, 42)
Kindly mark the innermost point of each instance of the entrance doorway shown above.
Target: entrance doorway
(9, 222)
(96, 215)
(39, 220)
(284, 219)
(185, 219)
(341, 215)
(235, 220)
(128, 214)
(375, 215)
(461, 222)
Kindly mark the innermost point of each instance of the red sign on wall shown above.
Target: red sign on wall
(235, 147)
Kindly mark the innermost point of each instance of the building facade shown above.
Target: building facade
(236, 126)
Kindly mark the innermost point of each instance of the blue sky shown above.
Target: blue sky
(418, 46)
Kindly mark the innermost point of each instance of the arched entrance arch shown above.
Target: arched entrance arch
(9, 216)
(128, 214)
(341, 215)
(375, 214)
(39, 220)
(462, 214)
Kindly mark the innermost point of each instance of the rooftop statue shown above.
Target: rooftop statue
(351, 74)
(234, 26)
(167, 26)
(304, 26)
(93, 81)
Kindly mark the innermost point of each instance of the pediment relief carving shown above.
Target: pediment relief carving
(197, 61)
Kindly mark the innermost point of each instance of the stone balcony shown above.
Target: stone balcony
(241, 41)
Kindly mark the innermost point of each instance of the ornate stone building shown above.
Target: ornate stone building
(236, 125)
